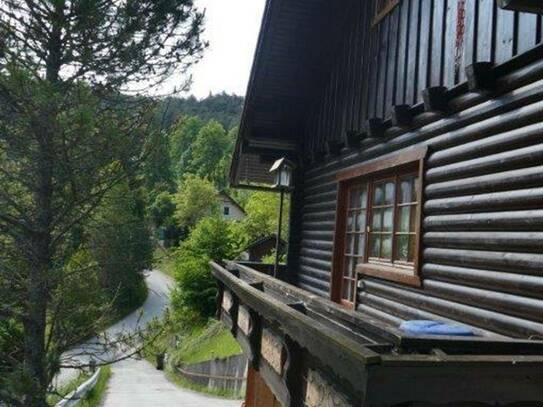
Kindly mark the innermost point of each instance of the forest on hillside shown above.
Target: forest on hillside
(222, 107)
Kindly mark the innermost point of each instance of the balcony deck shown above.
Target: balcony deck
(368, 355)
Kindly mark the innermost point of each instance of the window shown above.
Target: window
(226, 211)
(382, 8)
(378, 223)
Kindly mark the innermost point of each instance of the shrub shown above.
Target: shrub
(196, 292)
(196, 288)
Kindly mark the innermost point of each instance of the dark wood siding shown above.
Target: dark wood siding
(421, 43)
(483, 211)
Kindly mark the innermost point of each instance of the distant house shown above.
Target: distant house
(229, 208)
(262, 247)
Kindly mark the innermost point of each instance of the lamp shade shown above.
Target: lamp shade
(282, 170)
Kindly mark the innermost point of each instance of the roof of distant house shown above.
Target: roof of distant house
(232, 200)
(264, 239)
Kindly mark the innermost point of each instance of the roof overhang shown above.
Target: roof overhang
(290, 61)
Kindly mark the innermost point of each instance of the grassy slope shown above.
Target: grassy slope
(164, 261)
(93, 398)
(206, 343)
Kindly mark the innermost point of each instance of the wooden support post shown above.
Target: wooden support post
(481, 76)
(375, 127)
(333, 147)
(352, 139)
(436, 99)
(402, 115)
(531, 6)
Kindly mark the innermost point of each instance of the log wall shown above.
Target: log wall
(420, 44)
(483, 208)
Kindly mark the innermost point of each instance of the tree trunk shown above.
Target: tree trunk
(38, 277)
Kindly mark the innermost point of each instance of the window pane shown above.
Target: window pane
(364, 197)
(375, 249)
(386, 247)
(405, 219)
(377, 221)
(402, 244)
(379, 194)
(353, 199)
(349, 243)
(389, 193)
(347, 290)
(361, 221)
(388, 219)
(412, 245)
(408, 192)
(350, 221)
(348, 267)
(413, 219)
(361, 245)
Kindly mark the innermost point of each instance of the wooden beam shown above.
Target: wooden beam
(531, 6)
(402, 115)
(333, 147)
(436, 99)
(481, 76)
(375, 127)
(352, 139)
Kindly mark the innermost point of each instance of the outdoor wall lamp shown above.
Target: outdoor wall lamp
(282, 170)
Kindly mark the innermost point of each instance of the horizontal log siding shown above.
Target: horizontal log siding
(414, 47)
(483, 218)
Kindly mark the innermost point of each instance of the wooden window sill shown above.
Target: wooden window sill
(390, 273)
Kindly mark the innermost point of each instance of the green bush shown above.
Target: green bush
(196, 288)
(196, 292)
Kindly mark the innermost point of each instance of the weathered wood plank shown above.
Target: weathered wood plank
(485, 30)
(413, 53)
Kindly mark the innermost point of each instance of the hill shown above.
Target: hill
(224, 108)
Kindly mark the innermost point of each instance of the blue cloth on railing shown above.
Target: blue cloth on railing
(435, 328)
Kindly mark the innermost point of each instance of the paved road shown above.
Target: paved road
(138, 384)
(159, 288)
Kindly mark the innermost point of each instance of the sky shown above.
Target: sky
(232, 28)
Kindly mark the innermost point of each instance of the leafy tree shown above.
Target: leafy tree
(224, 108)
(262, 215)
(211, 237)
(162, 210)
(196, 289)
(196, 199)
(67, 137)
(194, 298)
(212, 144)
(157, 167)
(182, 138)
(121, 246)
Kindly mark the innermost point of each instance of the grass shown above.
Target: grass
(187, 384)
(93, 398)
(164, 261)
(53, 399)
(206, 343)
(197, 344)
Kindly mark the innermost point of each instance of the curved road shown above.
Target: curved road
(136, 383)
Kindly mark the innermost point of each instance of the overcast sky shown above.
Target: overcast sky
(232, 28)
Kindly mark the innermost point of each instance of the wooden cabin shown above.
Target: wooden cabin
(416, 127)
